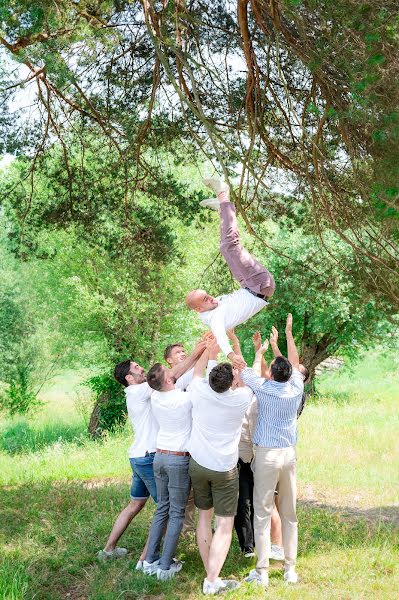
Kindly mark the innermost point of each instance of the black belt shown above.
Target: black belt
(257, 295)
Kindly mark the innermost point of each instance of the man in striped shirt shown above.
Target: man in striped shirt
(275, 438)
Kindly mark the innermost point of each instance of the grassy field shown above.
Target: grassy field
(60, 493)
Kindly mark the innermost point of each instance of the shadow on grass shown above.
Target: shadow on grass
(19, 437)
(51, 533)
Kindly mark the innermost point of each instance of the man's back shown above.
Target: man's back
(217, 420)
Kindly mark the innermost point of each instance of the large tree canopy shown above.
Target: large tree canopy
(297, 98)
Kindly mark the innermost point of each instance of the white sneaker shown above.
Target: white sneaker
(219, 585)
(249, 553)
(290, 575)
(115, 553)
(164, 575)
(277, 553)
(258, 578)
(210, 203)
(216, 185)
(139, 565)
(150, 568)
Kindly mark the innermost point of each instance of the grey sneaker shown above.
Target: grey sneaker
(216, 185)
(219, 585)
(212, 203)
(108, 554)
(258, 578)
(164, 575)
(150, 568)
(139, 565)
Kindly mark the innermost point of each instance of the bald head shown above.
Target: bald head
(200, 301)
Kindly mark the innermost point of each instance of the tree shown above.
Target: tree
(297, 92)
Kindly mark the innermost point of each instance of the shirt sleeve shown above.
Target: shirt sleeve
(211, 364)
(184, 381)
(297, 381)
(219, 331)
(251, 380)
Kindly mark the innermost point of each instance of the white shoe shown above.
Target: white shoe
(210, 203)
(116, 553)
(216, 185)
(219, 585)
(249, 553)
(164, 575)
(258, 578)
(290, 575)
(139, 565)
(150, 568)
(277, 553)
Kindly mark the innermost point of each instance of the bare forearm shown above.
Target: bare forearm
(257, 366)
(264, 368)
(276, 350)
(292, 351)
(201, 364)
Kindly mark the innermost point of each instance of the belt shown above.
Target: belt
(174, 452)
(257, 295)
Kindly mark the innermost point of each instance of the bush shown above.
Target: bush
(17, 398)
(109, 411)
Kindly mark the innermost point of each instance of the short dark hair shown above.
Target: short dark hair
(121, 370)
(156, 377)
(221, 377)
(168, 349)
(281, 369)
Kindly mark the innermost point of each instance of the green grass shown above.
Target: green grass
(62, 491)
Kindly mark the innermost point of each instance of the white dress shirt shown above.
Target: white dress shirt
(172, 410)
(232, 310)
(217, 420)
(144, 425)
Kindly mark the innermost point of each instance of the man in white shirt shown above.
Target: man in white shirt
(257, 283)
(173, 355)
(172, 409)
(217, 413)
(141, 453)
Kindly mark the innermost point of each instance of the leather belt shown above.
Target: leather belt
(174, 452)
(257, 295)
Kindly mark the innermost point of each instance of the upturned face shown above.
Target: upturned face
(177, 355)
(202, 301)
(136, 374)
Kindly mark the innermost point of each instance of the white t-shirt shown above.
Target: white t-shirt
(217, 420)
(172, 410)
(145, 427)
(232, 310)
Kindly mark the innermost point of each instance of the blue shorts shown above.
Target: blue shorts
(143, 481)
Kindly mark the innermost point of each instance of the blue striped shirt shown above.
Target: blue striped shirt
(278, 403)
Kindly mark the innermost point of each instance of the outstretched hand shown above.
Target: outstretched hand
(257, 340)
(288, 327)
(263, 347)
(237, 361)
(274, 336)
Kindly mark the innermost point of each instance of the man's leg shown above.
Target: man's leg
(275, 529)
(243, 521)
(244, 267)
(266, 472)
(287, 493)
(220, 545)
(189, 523)
(204, 534)
(162, 514)
(123, 521)
(179, 489)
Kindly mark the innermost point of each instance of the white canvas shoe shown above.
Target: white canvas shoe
(277, 553)
(108, 554)
(290, 575)
(258, 578)
(150, 568)
(210, 203)
(216, 185)
(219, 585)
(164, 575)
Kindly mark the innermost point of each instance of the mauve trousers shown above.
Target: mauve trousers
(244, 267)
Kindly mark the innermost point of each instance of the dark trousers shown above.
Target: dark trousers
(244, 520)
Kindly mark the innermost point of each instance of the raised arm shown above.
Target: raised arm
(292, 351)
(187, 364)
(257, 366)
(257, 341)
(273, 342)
